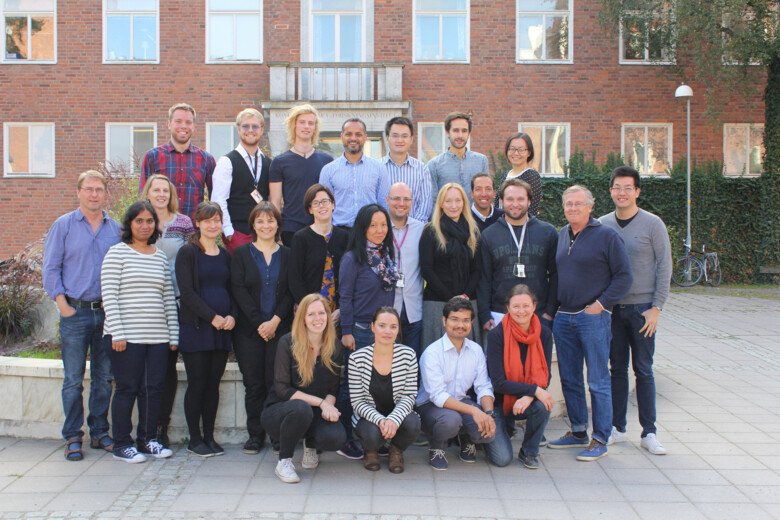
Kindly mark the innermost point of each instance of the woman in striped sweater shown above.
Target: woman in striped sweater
(142, 322)
(382, 388)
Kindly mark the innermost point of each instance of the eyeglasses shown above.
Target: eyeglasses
(407, 200)
(623, 189)
(324, 203)
(400, 136)
(578, 205)
(464, 321)
(518, 150)
(246, 127)
(99, 191)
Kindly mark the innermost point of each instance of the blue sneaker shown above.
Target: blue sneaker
(351, 450)
(594, 451)
(568, 441)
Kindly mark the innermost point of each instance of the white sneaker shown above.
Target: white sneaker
(310, 458)
(157, 450)
(285, 470)
(650, 443)
(617, 436)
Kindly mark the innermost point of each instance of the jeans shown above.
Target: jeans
(411, 334)
(536, 417)
(169, 389)
(255, 358)
(139, 371)
(585, 337)
(80, 334)
(293, 420)
(363, 338)
(204, 372)
(372, 439)
(627, 341)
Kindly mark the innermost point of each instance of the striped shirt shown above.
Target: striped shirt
(448, 167)
(414, 173)
(353, 186)
(403, 374)
(138, 297)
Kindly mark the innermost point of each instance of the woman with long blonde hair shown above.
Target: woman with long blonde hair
(302, 402)
(448, 259)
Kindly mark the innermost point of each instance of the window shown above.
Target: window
(221, 138)
(551, 146)
(441, 31)
(130, 31)
(544, 31)
(644, 41)
(648, 147)
(743, 150)
(740, 27)
(30, 28)
(431, 140)
(234, 31)
(28, 149)
(126, 144)
(337, 31)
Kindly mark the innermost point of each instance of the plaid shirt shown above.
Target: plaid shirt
(189, 171)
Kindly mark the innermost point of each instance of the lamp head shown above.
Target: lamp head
(683, 91)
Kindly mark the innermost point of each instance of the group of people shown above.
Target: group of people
(370, 304)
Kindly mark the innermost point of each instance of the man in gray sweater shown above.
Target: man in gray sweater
(635, 318)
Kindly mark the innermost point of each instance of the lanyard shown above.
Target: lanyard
(254, 167)
(514, 237)
(399, 246)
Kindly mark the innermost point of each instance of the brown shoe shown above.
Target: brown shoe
(371, 460)
(396, 460)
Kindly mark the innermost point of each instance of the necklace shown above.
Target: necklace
(305, 155)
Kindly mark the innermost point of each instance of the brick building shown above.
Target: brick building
(89, 81)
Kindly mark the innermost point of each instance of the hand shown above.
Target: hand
(329, 412)
(489, 325)
(226, 238)
(522, 404)
(230, 322)
(547, 316)
(66, 311)
(335, 316)
(594, 308)
(218, 322)
(173, 347)
(267, 329)
(485, 424)
(348, 340)
(119, 346)
(545, 398)
(651, 321)
(388, 429)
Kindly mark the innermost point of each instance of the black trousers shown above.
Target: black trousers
(255, 358)
(372, 439)
(169, 389)
(293, 420)
(204, 372)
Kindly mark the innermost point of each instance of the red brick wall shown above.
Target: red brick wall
(80, 94)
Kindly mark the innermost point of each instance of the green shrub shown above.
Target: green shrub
(17, 298)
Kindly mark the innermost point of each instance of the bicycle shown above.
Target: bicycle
(690, 268)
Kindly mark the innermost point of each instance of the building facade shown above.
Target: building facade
(89, 82)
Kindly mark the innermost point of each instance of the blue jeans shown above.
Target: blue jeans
(80, 334)
(627, 341)
(411, 335)
(536, 417)
(585, 337)
(363, 338)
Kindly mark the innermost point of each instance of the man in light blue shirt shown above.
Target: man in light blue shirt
(354, 178)
(449, 367)
(457, 164)
(402, 167)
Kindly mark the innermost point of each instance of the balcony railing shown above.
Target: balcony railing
(336, 81)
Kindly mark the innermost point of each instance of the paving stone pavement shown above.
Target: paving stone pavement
(718, 381)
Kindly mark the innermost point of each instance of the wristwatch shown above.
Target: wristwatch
(491, 413)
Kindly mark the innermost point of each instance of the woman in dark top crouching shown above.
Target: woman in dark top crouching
(519, 357)
(383, 387)
(302, 402)
(259, 280)
(205, 321)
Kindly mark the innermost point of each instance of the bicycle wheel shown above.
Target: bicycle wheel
(688, 270)
(714, 274)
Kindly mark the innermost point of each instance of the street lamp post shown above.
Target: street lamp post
(684, 91)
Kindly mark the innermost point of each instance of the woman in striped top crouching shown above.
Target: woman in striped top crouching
(142, 321)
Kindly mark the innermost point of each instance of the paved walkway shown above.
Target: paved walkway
(718, 377)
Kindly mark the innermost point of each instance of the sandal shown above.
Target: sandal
(73, 449)
(103, 443)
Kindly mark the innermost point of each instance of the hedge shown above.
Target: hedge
(737, 217)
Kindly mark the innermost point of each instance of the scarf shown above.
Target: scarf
(457, 253)
(381, 263)
(535, 370)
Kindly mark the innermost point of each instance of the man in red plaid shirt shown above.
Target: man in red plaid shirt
(186, 165)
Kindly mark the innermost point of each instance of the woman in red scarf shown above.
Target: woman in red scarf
(519, 356)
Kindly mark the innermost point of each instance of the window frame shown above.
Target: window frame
(235, 140)
(543, 147)
(440, 14)
(235, 13)
(748, 127)
(29, 14)
(669, 53)
(366, 31)
(28, 175)
(669, 144)
(132, 126)
(105, 15)
(545, 61)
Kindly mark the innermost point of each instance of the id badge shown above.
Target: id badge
(400, 281)
(256, 195)
(519, 270)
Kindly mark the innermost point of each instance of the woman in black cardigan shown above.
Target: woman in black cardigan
(259, 274)
(317, 250)
(206, 317)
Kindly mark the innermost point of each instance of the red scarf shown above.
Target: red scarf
(534, 371)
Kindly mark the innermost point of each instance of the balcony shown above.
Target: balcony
(352, 82)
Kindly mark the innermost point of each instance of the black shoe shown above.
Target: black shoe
(529, 461)
(162, 435)
(468, 450)
(200, 449)
(384, 450)
(253, 445)
(351, 450)
(213, 446)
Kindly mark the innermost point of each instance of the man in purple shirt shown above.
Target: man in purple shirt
(72, 257)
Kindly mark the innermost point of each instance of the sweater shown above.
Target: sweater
(446, 275)
(650, 253)
(192, 308)
(307, 261)
(594, 266)
(360, 292)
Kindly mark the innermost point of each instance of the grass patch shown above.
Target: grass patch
(759, 291)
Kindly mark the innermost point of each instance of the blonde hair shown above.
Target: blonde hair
(302, 352)
(250, 112)
(91, 174)
(292, 118)
(181, 106)
(465, 213)
(173, 202)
